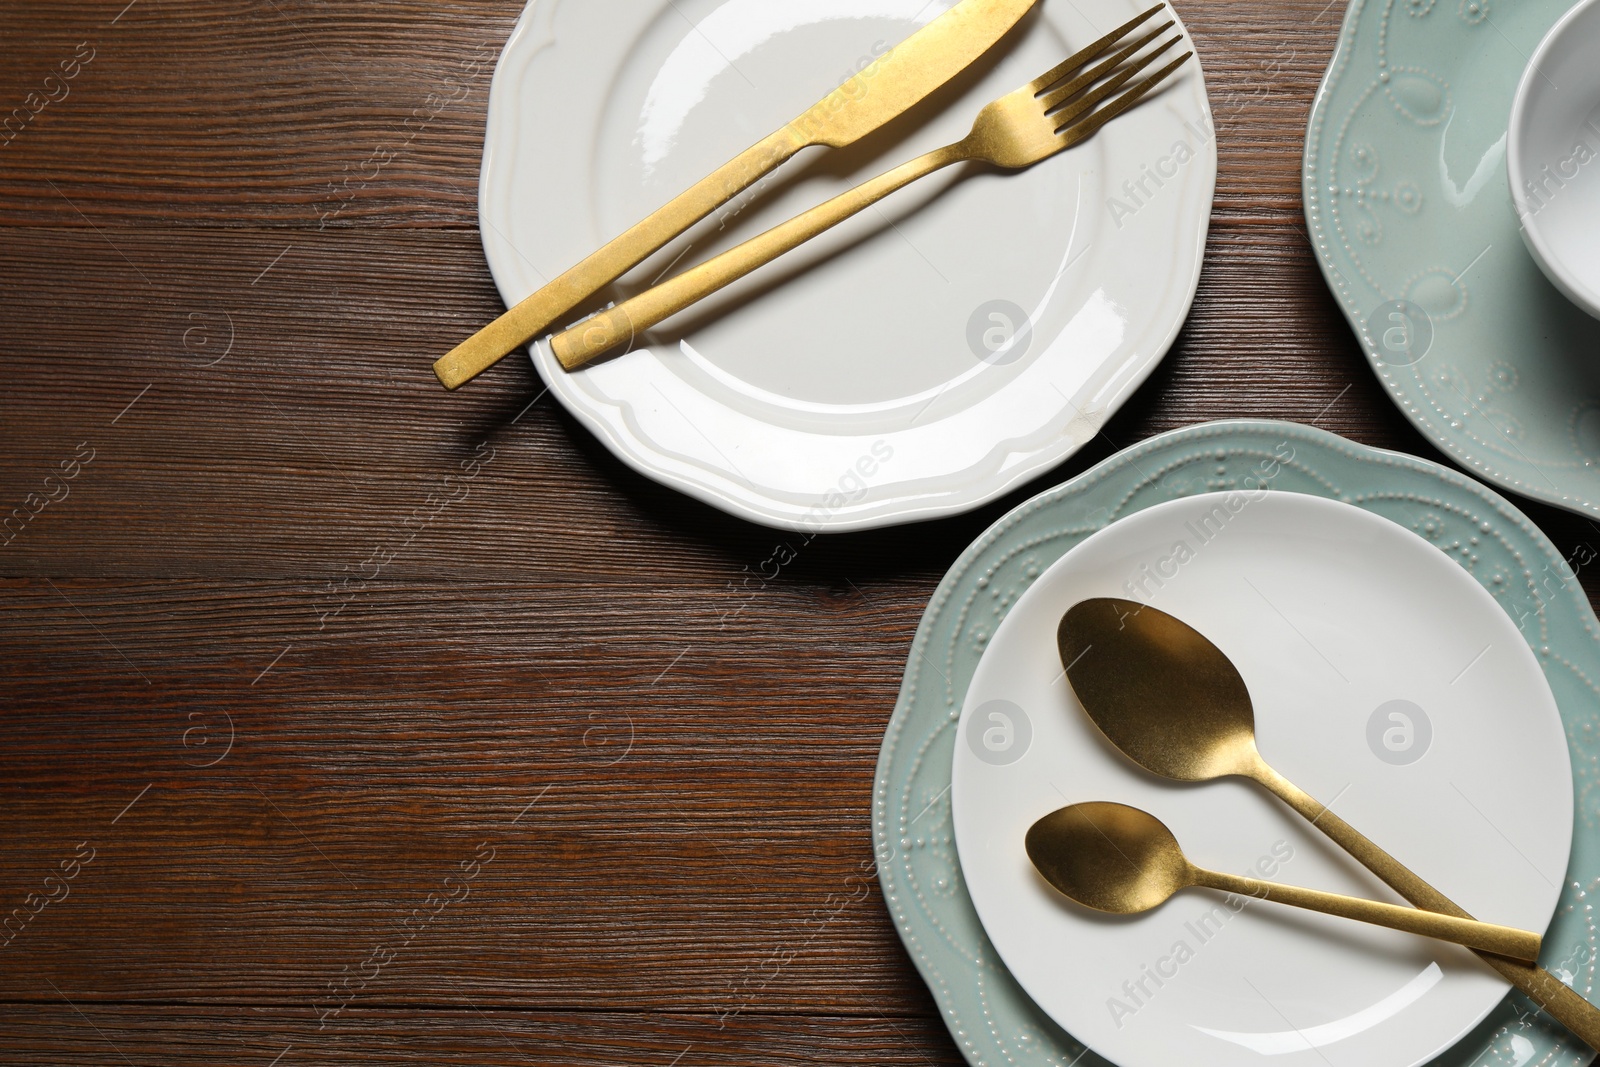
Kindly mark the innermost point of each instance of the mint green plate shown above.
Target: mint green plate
(992, 1020)
(1407, 200)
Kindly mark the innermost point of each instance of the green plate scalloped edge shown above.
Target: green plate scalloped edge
(992, 1019)
(1406, 198)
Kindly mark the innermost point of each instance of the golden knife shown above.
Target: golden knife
(899, 79)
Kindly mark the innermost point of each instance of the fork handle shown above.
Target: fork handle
(623, 323)
(1559, 1000)
(538, 312)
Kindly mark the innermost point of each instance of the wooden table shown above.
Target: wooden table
(310, 757)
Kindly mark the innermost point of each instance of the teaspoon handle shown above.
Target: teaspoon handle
(1560, 1001)
(1486, 937)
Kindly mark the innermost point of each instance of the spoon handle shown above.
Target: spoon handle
(1561, 1002)
(1485, 937)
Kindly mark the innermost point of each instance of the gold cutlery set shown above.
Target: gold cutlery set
(1060, 109)
(1173, 703)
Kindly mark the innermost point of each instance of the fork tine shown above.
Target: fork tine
(1098, 71)
(1093, 97)
(1076, 133)
(1080, 58)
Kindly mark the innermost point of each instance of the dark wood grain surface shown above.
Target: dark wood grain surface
(614, 777)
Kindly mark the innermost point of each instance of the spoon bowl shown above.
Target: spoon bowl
(1108, 857)
(1159, 690)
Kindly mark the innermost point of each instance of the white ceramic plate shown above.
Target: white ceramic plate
(856, 383)
(1339, 621)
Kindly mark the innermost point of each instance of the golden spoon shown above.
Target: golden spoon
(1175, 705)
(1121, 860)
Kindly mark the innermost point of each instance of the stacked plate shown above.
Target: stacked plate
(1418, 659)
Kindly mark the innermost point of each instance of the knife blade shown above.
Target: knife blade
(896, 81)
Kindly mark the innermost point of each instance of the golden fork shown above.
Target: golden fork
(1018, 130)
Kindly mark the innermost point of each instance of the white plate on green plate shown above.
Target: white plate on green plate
(991, 1017)
(1385, 680)
(1411, 217)
(929, 355)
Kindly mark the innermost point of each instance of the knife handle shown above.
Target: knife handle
(538, 312)
(1558, 1000)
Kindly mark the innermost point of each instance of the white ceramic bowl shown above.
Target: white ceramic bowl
(1553, 155)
